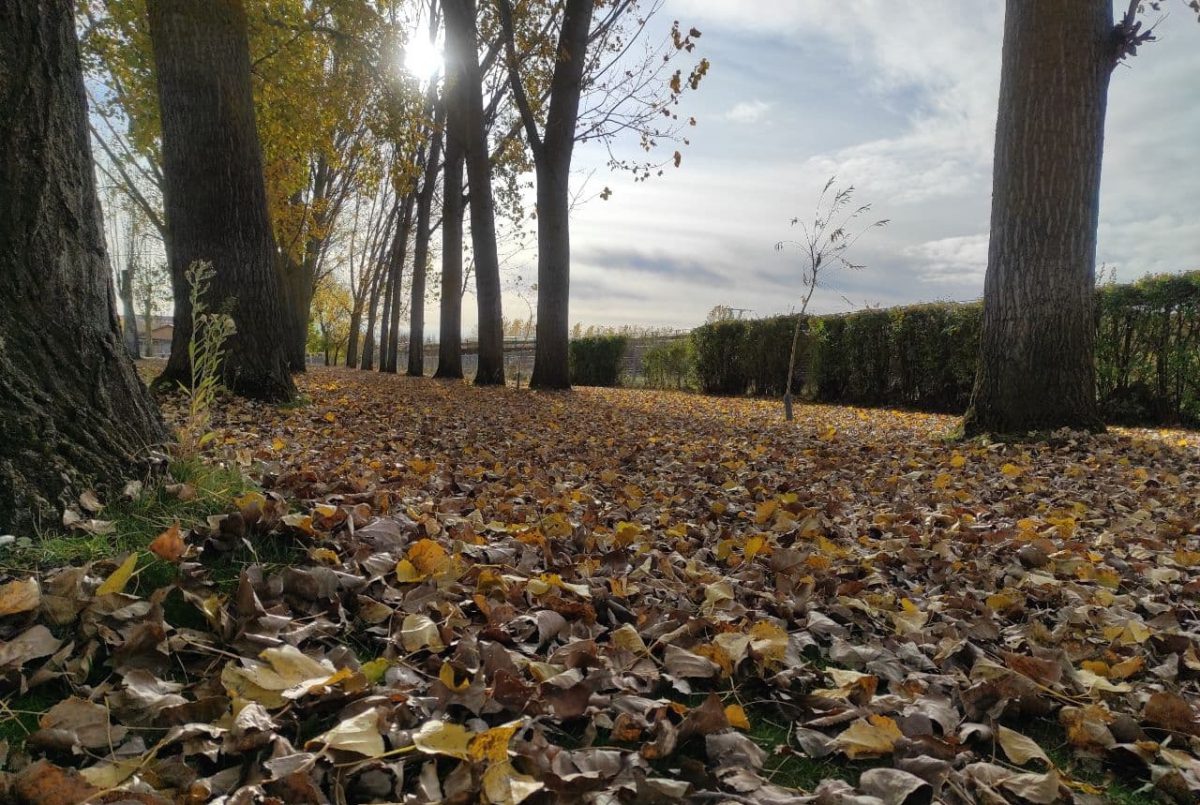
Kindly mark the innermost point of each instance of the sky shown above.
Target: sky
(896, 99)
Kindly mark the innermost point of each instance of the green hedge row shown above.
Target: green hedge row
(924, 356)
(596, 360)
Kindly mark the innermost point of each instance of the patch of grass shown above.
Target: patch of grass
(137, 523)
(298, 402)
(1119, 790)
(19, 714)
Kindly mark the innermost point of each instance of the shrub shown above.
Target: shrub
(924, 356)
(206, 352)
(596, 360)
(718, 369)
(670, 364)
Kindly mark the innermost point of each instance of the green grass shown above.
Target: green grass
(19, 714)
(1053, 739)
(136, 524)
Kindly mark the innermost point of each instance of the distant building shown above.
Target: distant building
(162, 330)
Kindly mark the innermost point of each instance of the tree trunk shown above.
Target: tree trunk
(213, 190)
(296, 285)
(368, 349)
(352, 339)
(450, 326)
(399, 257)
(129, 330)
(464, 116)
(73, 413)
(1036, 367)
(551, 362)
(416, 308)
(389, 286)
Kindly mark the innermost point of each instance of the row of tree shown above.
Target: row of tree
(261, 203)
(332, 160)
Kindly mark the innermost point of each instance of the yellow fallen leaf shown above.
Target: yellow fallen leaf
(119, 578)
(869, 737)
(492, 745)
(447, 678)
(20, 596)
(628, 638)
(503, 785)
(359, 734)
(736, 716)
(1019, 748)
(374, 670)
(443, 738)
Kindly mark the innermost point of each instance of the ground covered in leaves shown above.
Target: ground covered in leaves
(441, 593)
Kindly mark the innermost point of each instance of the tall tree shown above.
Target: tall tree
(450, 323)
(1037, 363)
(214, 192)
(589, 56)
(416, 308)
(466, 124)
(72, 410)
(552, 152)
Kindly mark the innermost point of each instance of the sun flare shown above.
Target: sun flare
(423, 58)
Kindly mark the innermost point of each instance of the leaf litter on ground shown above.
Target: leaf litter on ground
(504, 596)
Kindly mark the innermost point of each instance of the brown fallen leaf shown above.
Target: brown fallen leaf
(169, 545)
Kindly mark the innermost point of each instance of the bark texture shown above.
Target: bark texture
(466, 124)
(73, 412)
(1036, 367)
(450, 326)
(213, 190)
(552, 152)
(416, 307)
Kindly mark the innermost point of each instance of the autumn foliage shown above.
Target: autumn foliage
(498, 596)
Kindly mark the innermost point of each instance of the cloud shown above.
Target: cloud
(951, 260)
(748, 111)
(906, 116)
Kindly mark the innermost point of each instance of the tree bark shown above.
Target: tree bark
(368, 350)
(1037, 368)
(399, 257)
(450, 326)
(551, 365)
(551, 360)
(552, 153)
(129, 329)
(416, 308)
(213, 190)
(73, 413)
(466, 125)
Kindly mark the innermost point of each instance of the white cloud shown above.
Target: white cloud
(901, 102)
(951, 260)
(748, 111)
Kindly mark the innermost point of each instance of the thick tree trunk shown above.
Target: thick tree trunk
(389, 288)
(73, 413)
(213, 189)
(1036, 367)
(352, 339)
(450, 326)
(416, 307)
(551, 364)
(464, 116)
(296, 286)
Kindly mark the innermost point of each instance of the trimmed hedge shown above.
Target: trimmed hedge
(669, 364)
(924, 356)
(596, 360)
